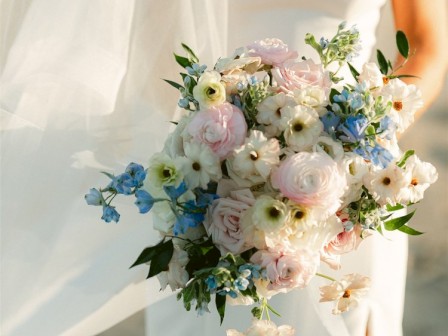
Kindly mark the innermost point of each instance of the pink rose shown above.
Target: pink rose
(286, 270)
(223, 219)
(298, 75)
(272, 51)
(313, 180)
(222, 128)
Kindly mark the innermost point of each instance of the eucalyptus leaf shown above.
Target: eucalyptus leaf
(190, 53)
(394, 224)
(410, 231)
(402, 44)
(382, 62)
(220, 301)
(174, 84)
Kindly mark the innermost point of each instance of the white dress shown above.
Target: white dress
(81, 92)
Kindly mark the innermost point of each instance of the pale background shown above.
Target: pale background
(426, 306)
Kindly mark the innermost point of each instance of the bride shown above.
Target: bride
(81, 92)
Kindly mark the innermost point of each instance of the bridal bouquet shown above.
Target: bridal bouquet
(276, 166)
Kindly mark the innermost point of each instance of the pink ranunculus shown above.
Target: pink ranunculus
(272, 51)
(344, 242)
(294, 75)
(222, 128)
(287, 270)
(223, 218)
(313, 180)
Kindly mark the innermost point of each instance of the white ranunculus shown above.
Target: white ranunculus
(209, 91)
(302, 127)
(174, 144)
(176, 277)
(355, 167)
(164, 171)
(270, 112)
(314, 97)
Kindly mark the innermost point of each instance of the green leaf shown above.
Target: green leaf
(394, 224)
(410, 231)
(182, 61)
(174, 84)
(256, 312)
(160, 261)
(147, 254)
(354, 72)
(382, 62)
(394, 207)
(191, 55)
(402, 44)
(406, 155)
(220, 301)
(405, 76)
(333, 93)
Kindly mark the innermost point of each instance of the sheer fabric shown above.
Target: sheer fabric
(81, 91)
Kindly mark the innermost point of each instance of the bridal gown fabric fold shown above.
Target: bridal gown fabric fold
(81, 92)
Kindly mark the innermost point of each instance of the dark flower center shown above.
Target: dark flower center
(274, 212)
(398, 105)
(253, 155)
(299, 214)
(386, 181)
(166, 173)
(210, 91)
(385, 80)
(414, 181)
(347, 293)
(297, 127)
(196, 166)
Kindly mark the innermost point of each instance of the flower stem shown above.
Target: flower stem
(325, 276)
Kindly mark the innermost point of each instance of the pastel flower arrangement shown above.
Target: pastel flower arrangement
(276, 167)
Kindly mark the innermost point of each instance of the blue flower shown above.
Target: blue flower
(174, 193)
(378, 155)
(182, 224)
(387, 128)
(94, 197)
(183, 103)
(323, 43)
(144, 201)
(137, 172)
(253, 269)
(354, 128)
(356, 101)
(110, 214)
(229, 292)
(241, 283)
(330, 121)
(211, 282)
(196, 69)
(122, 184)
(342, 98)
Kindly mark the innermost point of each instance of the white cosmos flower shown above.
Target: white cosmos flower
(209, 91)
(347, 292)
(269, 112)
(388, 185)
(423, 174)
(200, 165)
(312, 96)
(406, 100)
(302, 127)
(325, 144)
(257, 156)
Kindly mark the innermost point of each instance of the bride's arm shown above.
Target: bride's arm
(425, 25)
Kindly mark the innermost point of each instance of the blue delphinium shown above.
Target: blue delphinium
(331, 121)
(144, 201)
(387, 128)
(94, 197)
(353, 128)
(250, 271)
(183, 222)
(110, 214)
(241, 283)
(378, 155)
(211, 283)
(137, 173)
